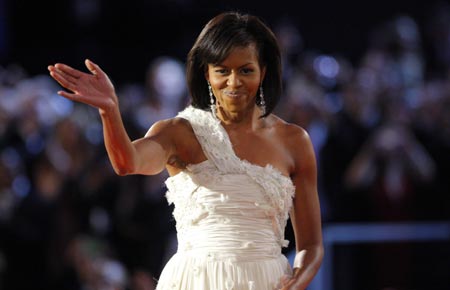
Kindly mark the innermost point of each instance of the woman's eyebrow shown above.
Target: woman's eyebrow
(222, 65)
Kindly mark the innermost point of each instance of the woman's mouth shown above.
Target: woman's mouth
(233, 95)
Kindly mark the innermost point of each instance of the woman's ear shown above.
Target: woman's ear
(263, 74)
(207, 73)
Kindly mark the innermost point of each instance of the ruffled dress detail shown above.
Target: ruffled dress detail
(230, 217)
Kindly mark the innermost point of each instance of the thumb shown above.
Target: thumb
(93, 68)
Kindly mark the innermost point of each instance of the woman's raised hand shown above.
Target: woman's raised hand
(93, 88)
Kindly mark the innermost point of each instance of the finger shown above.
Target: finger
(69, 70)
(285, 280)
(94, 68)
(74, 97)
(62, 80)
(66, 76)
(67, 95)
(288, 285)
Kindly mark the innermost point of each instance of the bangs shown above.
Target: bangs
(222, 41)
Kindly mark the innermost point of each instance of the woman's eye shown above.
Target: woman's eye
(221, 71)
(247, 70)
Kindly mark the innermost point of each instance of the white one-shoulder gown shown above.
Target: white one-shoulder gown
(230, 218)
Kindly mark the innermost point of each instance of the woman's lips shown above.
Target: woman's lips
(234, 95)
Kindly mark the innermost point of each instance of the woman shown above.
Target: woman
(236, 170)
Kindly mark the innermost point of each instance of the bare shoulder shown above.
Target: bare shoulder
(297, 143)
(178, 134)
(289, 133)
(173, 126)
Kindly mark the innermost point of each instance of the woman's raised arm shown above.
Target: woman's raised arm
(147, 155)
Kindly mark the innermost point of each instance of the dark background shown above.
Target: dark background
(42, 237)
(123, 36)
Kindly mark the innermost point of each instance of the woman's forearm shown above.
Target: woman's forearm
(121, 151)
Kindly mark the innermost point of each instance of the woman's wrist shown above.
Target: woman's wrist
(110, 107)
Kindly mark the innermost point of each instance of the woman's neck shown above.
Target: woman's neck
(249, 118)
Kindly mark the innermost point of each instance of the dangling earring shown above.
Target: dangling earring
(262, 103)
(211, 101)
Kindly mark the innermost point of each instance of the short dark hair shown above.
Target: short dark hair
(219, 36)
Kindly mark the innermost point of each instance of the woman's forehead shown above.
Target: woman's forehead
(241, 54)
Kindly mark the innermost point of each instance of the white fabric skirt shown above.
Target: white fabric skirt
(188, 272)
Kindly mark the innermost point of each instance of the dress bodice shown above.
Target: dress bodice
(226, 207)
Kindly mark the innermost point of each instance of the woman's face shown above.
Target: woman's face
(236, 80)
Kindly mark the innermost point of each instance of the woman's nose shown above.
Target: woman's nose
(233, 80)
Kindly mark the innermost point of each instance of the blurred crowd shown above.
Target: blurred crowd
(380, 128)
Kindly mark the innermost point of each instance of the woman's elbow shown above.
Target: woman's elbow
(130, 169)
(124, 169)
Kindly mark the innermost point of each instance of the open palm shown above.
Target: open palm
(93, 88)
